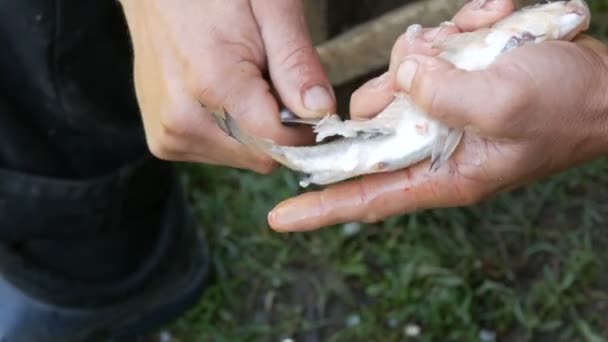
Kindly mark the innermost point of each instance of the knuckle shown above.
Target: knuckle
(369, 212)
(430, 94)
(266, 166)
(208, 93)
(246, 48)
(164, 145)
(298, 59)
(175, 122)
(472, 195)
(433, 100)
(160, 150)
(370, 217)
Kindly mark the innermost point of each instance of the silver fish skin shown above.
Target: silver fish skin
(402, 134)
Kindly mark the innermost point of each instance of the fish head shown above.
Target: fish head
(558, 20)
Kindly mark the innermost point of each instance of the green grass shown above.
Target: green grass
(528, 265)
(524, 265)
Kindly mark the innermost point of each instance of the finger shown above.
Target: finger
(367, 199)
(419, 41)
(239, 88)
(472, 16)
(187, 132)
(372, 97)
(222, 149)
(460, 98)
(254, 107)
(294, 66)
(377, 93)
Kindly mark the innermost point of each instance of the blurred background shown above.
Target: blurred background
(528, 265)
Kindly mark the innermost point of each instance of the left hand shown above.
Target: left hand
(524, 122)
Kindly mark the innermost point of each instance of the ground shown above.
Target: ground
(528, 265)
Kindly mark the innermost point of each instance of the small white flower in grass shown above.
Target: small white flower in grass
(276, 282)
(412, 330)
(487, 335)
(392, 322)
(165, 336)
(351, 229)
(287, 340)
(353, 320)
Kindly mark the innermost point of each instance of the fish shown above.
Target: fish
(403, 134)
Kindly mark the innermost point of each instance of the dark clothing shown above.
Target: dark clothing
(81, 198)
(68, 121)
(66, 89)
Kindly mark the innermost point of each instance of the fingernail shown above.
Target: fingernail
(271, 218)
(407, 73)
(379, 81)
(412, 32)
(282, 216)
(317, 98)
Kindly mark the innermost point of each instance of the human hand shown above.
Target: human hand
(195, 56)
(537, 110)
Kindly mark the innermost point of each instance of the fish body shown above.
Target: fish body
(402, 134)
(400, 141)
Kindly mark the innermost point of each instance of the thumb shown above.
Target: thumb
(294, 66)
(461, 99)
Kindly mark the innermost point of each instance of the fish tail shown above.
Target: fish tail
(228, 124)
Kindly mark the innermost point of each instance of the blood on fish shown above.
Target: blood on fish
(422, 128)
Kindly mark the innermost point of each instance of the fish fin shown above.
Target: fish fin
(325, 178)
(445, 147)
(332, 125)
(382, 124)
(438, 146)
(227, 123)
(220, 118)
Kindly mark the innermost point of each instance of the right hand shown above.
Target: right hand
(196, 56)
